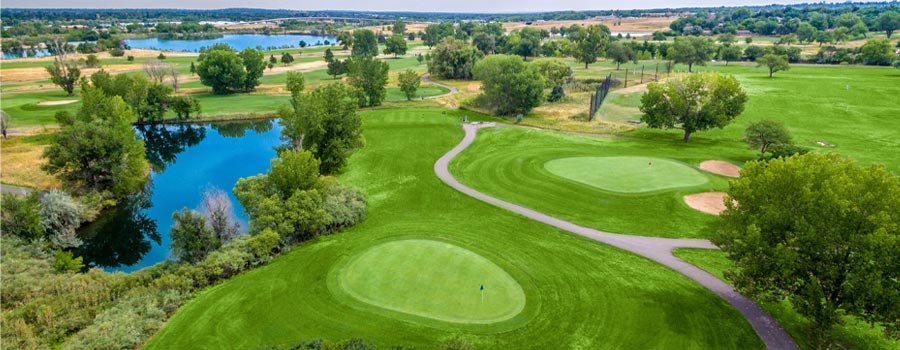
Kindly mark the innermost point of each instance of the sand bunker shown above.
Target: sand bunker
(707, 202)
(56, 103)
(721, 167)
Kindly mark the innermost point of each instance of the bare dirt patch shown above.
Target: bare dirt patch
(707, 202)
(56, 103)
(721, 167)
(39, 73)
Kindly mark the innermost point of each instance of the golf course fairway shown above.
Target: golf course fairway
(626, 174)
(577, 293)
(433, 279)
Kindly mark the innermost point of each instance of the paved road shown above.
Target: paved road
(653, 248)
(22, 191)
(427, 79)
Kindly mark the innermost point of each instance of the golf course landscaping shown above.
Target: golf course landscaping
(626, 174)
(538, 281)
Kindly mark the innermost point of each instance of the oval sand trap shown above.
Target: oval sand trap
(56, 103)
(707, 202)
(721, 167)
(626, 174)
(433, 279)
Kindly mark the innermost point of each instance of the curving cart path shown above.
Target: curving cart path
(653, 248)
(427, 78)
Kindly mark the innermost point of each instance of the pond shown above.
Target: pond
(186, 160)
(237, 41)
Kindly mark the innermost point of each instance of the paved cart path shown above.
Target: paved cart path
(653, 248)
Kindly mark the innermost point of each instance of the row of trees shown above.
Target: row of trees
(804, 23)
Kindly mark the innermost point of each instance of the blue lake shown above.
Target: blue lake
(186, 160)
(237, 41)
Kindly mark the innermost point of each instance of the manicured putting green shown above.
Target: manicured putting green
(432, 279)
(626, 174)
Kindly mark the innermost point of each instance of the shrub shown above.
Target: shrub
(556, 94)
(20, 216)
(60, 216)
(65, 262)
(116, 52)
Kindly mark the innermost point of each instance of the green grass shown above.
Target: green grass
(432, 279)
(25, 112)
(395, 94)
(579, 294)
(509, 163)
(852, 335)
(626, 174)
(853, 108)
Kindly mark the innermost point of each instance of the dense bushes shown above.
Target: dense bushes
(509, 85)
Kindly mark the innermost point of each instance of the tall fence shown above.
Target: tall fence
(599, 95)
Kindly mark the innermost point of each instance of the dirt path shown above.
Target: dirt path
(653, 248)
(427, 79)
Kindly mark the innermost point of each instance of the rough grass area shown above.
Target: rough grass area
(21, 162)
(578, 293)
(852, 335)
(626, 174)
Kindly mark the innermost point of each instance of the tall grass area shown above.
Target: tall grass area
(851, 335)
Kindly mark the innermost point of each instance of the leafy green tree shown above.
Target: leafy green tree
(554, 71)
(509, 84)
(888, 21)
(619, 53)
(485, 42)
(329, 56)
(696, 102)
(64, 74)
(286, 199)
(184, 106)
(92, 61)
(345, 39)
(730, 53)
(192, 239)
(99, 151)
(765, 133)
(454, 59)
(161, 56)
(824, 37)
(691, 50)
(399, 27)
(295, 83)
(336, 67)
(859, 30)
(324, 122)
(254, 65)
(395, 45)
(286, 58)
(369, 76)
(775, 63)
(435, 33)
(589, 43)
(820, 231)
(60, 217)
(272, 59)
(365, 44)
(21, 216)
(806, 32)
(409, 83)
(877, 52)
(222, 70)
(194, 68)
(726, 39)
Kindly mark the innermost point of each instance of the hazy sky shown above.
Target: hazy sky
(395, 5)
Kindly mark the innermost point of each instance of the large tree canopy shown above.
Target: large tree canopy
(226, 71)
(454, 59)
(365, 44)
(693, 102)
(509, 84)
(589, 43)
(369, 76)
(822, 232)
(691, 50)
(324, 122)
